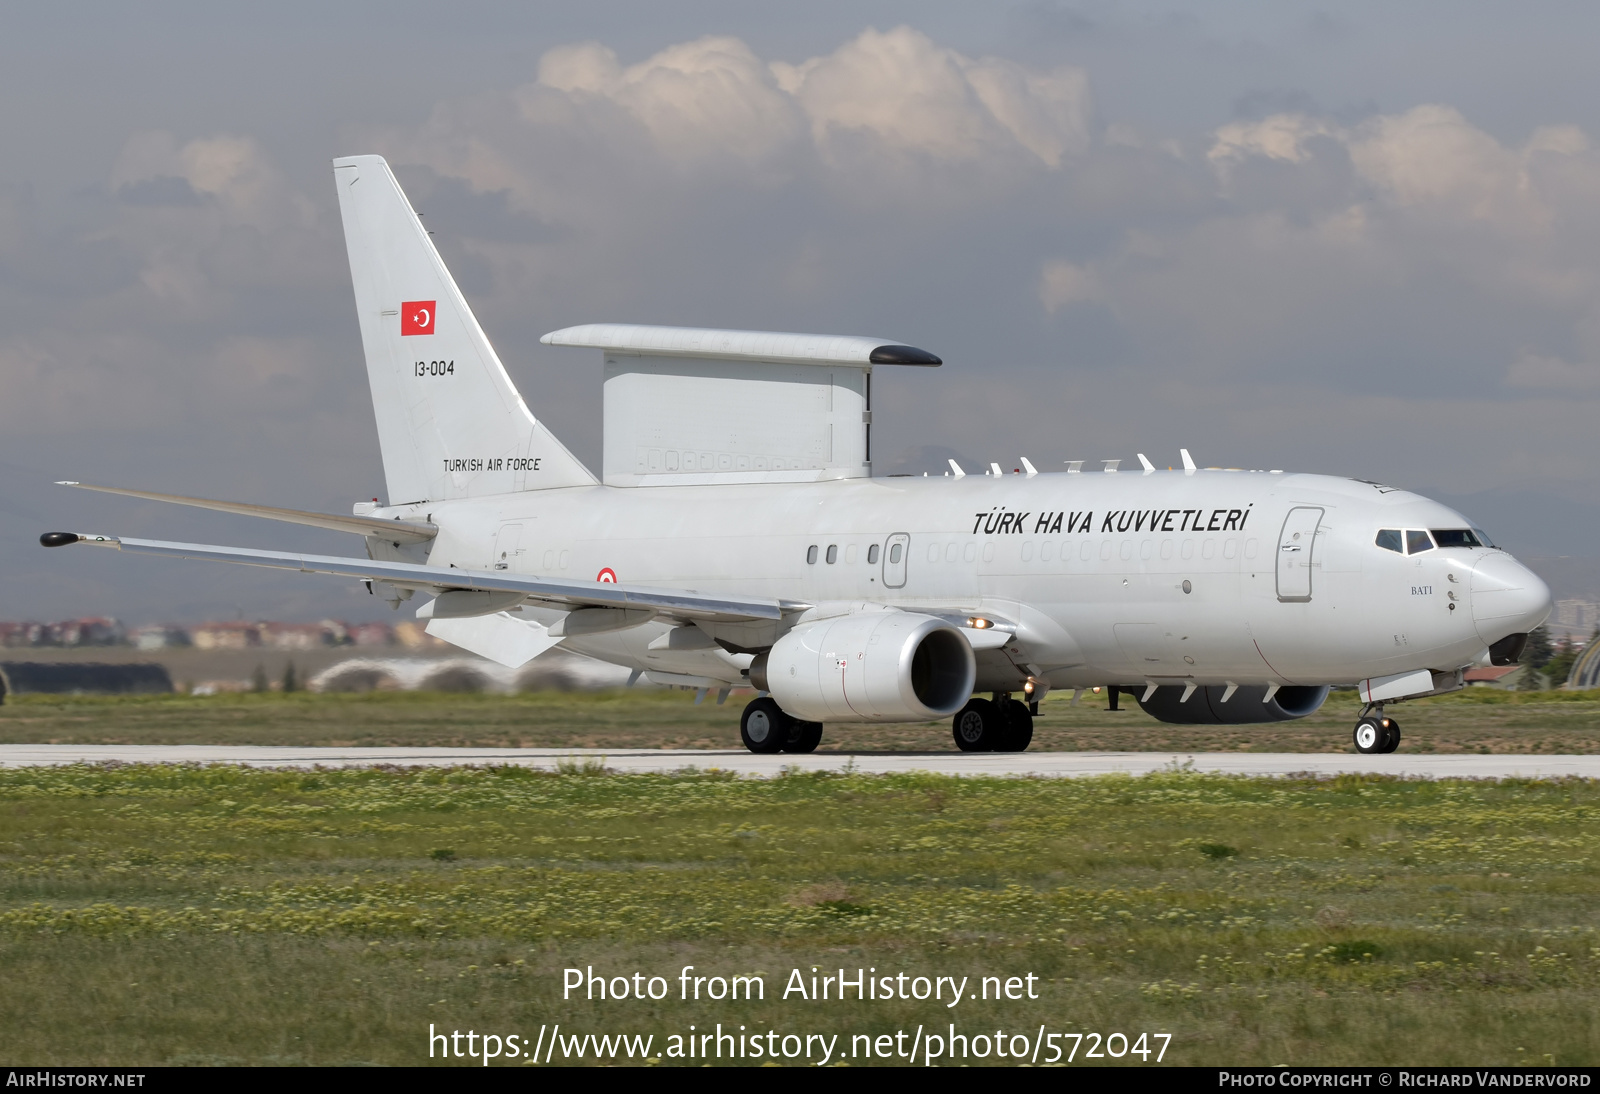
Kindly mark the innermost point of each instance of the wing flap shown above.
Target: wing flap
(501, 638)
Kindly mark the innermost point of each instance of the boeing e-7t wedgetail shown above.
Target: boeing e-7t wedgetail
(736, 537)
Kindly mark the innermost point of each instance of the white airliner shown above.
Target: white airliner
(737, 538)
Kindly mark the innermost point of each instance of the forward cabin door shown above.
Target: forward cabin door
(895, 555)
(1296, 551)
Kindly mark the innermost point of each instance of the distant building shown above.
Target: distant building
(1580, 615)
(159, 636)
(371, 634)
(225, 636)
(295, 636)
(1574, 618)
(216, 635)
(93, 631)
(21, 634)
(1494, 676)
(414, 636)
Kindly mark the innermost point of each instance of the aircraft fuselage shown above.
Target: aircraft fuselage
(1108, 578)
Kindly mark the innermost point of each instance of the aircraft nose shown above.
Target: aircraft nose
(1507, 598)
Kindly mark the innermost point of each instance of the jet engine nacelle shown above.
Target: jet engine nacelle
(1205, 706)
(880, 666)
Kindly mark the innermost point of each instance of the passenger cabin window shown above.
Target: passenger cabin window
(833, 553)
(1417, 541)
(1456, 537)
(1389, 540)
(894, 554)
(872, 555)
(811, 555)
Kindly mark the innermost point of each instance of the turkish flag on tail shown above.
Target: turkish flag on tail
(416, 317)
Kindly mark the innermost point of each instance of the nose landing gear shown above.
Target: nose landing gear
(1375, 733)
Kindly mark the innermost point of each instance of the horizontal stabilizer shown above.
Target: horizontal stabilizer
(396, 531)
(680, 604)
(741, 345)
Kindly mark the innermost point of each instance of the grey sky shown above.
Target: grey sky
(1362, 240)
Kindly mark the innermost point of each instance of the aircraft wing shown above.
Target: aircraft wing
(556, 592)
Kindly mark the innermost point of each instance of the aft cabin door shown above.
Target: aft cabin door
(1296, 547)
(895, 555)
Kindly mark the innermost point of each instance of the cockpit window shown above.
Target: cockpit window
(1456, 537)
(1389, 540)
(1483, 538)
(1417, 541)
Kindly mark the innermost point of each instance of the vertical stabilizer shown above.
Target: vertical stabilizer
(450, 422)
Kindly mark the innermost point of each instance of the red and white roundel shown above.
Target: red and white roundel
(608, 576)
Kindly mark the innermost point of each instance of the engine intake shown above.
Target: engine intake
(882, 666)
(1205, 706)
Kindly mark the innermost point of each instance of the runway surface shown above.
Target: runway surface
(1054, 764)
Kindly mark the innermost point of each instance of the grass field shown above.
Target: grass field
(1480, 720)
(159, 915)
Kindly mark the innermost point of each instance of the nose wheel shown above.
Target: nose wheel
(1376, 733)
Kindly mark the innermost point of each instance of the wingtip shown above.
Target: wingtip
(63, 539)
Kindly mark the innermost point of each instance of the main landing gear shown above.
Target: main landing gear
(1376, 733)
(1001, 724)
(764, 727)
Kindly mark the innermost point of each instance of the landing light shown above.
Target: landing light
(978, 623)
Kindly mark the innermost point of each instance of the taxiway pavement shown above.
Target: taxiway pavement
(1051, 764)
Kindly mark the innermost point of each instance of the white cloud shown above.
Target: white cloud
(910, 94)
(1431, 156)
(884, 105)
(1279, 137)
(710, 98)
(705, 183)
(231, 170)
(1430, 160)
(189, 299)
